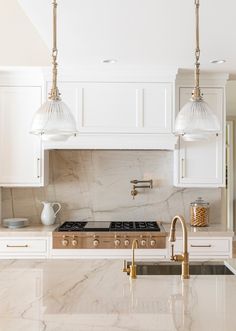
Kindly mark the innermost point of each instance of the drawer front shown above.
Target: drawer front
(22, 246)
(204, 246)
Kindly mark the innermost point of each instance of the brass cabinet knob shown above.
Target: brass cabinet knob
(117, 242)
(153, 242)
(126, 242)
(65, 242)
(74, 242)
(143, 242)
(95, 242)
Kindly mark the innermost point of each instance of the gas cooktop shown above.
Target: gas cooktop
(71, 226)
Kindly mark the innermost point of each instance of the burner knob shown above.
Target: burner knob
(153, 242)
(117, 242)
(143, 242)
(95, 242)
(65, 242)
(126, 242)
(74, 242)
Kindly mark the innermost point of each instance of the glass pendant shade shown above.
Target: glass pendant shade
(196, 121)
(53, 121)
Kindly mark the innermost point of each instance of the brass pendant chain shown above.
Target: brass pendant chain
(196, 95)
(54, 94)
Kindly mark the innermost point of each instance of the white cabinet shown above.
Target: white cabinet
(214, 247)
(24, 247)
(21, 158)
(119, 114)
(202, 164)
(120, 107)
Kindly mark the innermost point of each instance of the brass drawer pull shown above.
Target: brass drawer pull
(200, 245)
(21, 246)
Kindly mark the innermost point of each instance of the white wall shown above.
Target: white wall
(20, 43)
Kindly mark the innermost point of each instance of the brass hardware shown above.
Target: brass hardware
(143, 242)
(107, 240)
(54, 94)
(126, 242)
(74, 241)
(200, 245)
(196, 93)
(132, 269)
(17, 246)
(38, 168)
(152, 242)
(182, 168)
(184, 257)
(95, 242)
(117, 242)
(134, 191)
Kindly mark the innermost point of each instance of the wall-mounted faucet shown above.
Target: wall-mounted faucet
(134, 191)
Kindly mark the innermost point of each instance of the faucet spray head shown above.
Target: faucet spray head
(172, 237)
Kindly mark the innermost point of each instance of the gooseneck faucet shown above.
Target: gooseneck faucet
(132, 269)
(184, 257)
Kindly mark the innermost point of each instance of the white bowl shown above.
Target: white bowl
(15, 223)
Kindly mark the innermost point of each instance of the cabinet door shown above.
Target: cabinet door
(201, 164)
(20, 152)
(120, 107)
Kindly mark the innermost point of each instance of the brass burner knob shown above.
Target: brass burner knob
(117, 242)
(143, 242)
(153, 242)
(74, 242)
(95, 242)
(126, 242)
(65, 242)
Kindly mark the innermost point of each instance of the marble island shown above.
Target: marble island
(94, 295)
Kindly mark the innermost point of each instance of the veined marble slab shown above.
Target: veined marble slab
(94, 295)
(213, 230)
(95, 185)
(28, 231)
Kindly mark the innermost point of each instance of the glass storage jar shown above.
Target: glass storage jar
(199, 212)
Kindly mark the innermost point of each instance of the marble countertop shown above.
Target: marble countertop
(214, 230)
(28, 231)
(95, 295)
(39, 230)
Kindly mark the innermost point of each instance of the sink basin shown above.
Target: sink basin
(195, 268)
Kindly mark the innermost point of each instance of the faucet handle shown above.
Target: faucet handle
(172, 257)
(125, 268)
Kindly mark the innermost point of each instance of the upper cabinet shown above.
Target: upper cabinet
(202, 163)
(124, 107)
(120, 114)
(21, 157)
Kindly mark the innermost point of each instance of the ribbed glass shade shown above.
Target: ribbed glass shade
(196, 121)
(54, 121)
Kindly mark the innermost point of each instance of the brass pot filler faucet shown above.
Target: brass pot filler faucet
(134, 191)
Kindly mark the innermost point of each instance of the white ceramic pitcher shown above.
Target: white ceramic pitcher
(48, 215)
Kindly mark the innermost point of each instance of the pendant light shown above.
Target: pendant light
(196, 121)
(53, 120)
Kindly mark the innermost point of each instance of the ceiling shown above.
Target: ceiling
(139, 33)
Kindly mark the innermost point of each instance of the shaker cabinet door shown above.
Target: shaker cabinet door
(20, 152)
(120, 107)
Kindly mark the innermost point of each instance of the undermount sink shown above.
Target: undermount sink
(195, 268)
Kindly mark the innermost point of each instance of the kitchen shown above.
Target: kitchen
(71, 264)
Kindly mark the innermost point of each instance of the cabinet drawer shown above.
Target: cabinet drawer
(205, 246)
(23, 246)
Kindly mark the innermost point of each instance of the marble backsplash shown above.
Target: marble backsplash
(95, 185)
